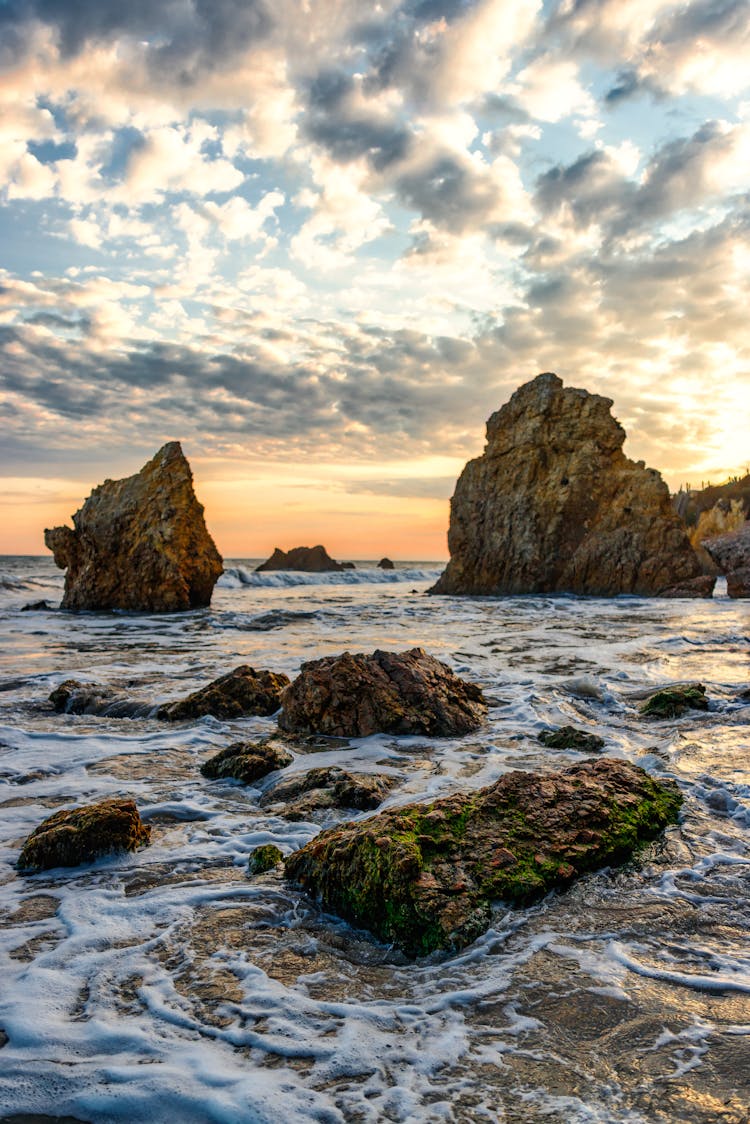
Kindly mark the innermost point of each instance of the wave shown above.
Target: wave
(235, 577)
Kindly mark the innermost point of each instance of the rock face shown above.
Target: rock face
(246, 761)
(243, 691)
(731, 553)
(353, 696)
(424, 876)
(80, 835)
(139, 544)
(554, 505)
(312, 559)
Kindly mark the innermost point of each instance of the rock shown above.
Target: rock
(673, 702)
(324, 788)
(731, 553)
(80, 835)
(73, 697)
(554, 505)
(140, 543)
(37, 607)
(246, 761)
(243, 691)
(424, 876)
(568, 737)
(388, 692)
(311, 559)
(264, 858)
(386, 564)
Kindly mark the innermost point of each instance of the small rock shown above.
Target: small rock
(243, 691)
(80, 835)
(386, 564)
(264, 858)
(310, 559)
(320, 789)
(246, 761)
(72, 697)
(568, 737)
(36, 606)
(673, 702)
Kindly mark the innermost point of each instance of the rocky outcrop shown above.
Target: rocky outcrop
(242, 692)
(246, 761)
(140, 543)
(80, 835)
(353, 696)
(386, 564)
(318, 790)
(424, 876)
(311, 559)
(554, 505)
(731, 553)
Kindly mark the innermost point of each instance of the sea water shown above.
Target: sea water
(168, 986)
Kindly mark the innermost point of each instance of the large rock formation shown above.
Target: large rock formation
(554, 505)
(140, 543)
(731, 553)
(424, 876)
(80, 835)
(311, 559)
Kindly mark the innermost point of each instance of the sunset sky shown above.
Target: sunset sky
(320, 241)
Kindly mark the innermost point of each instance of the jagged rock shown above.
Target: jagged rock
(673, 702)
(386, 692)
(554, 505)
(80, 835)
(264, 858)
(568, 737)
(386, 564)
(424, 876)
(324, 788)
(243, 691)
(731, 553)
(140, 543)
(311, 559)
(246, 761)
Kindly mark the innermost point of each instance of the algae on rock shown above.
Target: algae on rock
(80, 835)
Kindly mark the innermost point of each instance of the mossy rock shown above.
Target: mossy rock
(246, 761)
(568, 737)
(264, 858)
(80, 835)
(673, 702)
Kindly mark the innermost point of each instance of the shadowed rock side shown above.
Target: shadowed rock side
(80, 835)
(424, 876)
(240, 692)
(731, 553)
(554, 505)
(311, 559)
(140, 543)
(353, 696)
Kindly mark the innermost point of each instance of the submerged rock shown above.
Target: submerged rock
(554, 505)
(264, 858)
(731, 553)
(324, 788)
(243, 691)
(424, 876)
(80, 835)
(568, 737)
(37, 607)
(246, 761)
(386, 692)
(312, 559)
(140, 543)
(673, 702)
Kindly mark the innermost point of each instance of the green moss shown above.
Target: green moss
(264, 858)
(673, 702)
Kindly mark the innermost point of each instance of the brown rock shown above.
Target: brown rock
(386, 564)
(311, 559)
(388, 692)
(80, 835)
(140, 543)
(554, 505)
(243, 691)
(246, 761)
(324, 788)
(731, 553)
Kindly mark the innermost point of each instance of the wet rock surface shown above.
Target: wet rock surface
(568, 737)
(263, 859)
(673, 702)
(139, 544)
(386, 692)
(424, 876)
(74, 697)
(80, 835)
(312, 559)
(329, 787)
(243, 691)
(731, 553)
(554, 505)
(246, 761)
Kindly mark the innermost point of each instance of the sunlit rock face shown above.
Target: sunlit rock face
(554, 505)
(140, 543)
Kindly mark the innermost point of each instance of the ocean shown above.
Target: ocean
(168, 986)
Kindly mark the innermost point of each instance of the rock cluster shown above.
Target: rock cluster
(731, 553)
(139, 544)
(353, 696)
(554, 505)
(80, 835)
(243, 691)
(424, 876)
(310, 559)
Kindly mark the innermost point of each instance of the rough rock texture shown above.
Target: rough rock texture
(264, 858)
(731, 553)
(80, 835)
(386, 564)
(568, 737)
(242, 691)
(554, 505)
(388, 692)
(246, 761)
(324, 788)
(424, 876)
(312, 559)
(140, 543)
(673, 702)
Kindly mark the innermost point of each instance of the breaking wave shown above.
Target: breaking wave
(236, 576)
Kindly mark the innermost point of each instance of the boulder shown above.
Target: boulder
(243, 691)
(386, 564)
(731, 553)
(568, 737)
(80, 835)
(673, 702)
(554, 505)
(353, 696)
(324, 788)
(246, 761)
(311, 559)
(140, 543)
(424, 876)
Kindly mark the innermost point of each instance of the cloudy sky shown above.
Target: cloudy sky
(320, 241)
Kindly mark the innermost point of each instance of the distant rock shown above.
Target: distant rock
(386, 692)
(139, 544)
(310, 559)
(731, 553)
(554, 505)
(673, 702)
(321, 789)
(425, 876)
(246, 761)
(568, 737)
(80, 835)
(241, 692)
(386, 564)
(37, 607)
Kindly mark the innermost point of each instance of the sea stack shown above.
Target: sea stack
(554, 506)
(310, 559)
(139, 544)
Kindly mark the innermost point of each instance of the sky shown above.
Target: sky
(321, 241)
